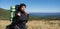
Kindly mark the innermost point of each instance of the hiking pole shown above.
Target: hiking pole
(12, 11)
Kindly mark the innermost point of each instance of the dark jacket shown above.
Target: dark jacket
(20, 19)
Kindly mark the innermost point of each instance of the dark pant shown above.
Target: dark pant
(22, 26)
(17, 26)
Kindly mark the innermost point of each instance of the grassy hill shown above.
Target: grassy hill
(4, 14)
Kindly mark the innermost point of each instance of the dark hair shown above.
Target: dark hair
(22, 5)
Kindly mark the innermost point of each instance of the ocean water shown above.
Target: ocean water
(45, 14)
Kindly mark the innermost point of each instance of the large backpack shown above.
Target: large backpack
(12, 14)
(12, 11)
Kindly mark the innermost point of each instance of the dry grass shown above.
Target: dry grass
(40, 24)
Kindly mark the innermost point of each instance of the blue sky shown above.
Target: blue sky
(42, 6)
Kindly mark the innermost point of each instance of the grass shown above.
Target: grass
(35, 24)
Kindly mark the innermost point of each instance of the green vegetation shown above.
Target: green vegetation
(43, 18)
(5, 15)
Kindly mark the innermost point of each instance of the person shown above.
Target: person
(21, 17)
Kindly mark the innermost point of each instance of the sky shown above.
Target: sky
(41, 6)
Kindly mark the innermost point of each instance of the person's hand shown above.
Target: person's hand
(19, 14)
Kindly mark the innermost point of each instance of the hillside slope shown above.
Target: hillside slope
(4, 14)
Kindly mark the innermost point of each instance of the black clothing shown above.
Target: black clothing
(21, 19)
(18, 22)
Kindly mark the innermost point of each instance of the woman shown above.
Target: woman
(20, 19)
